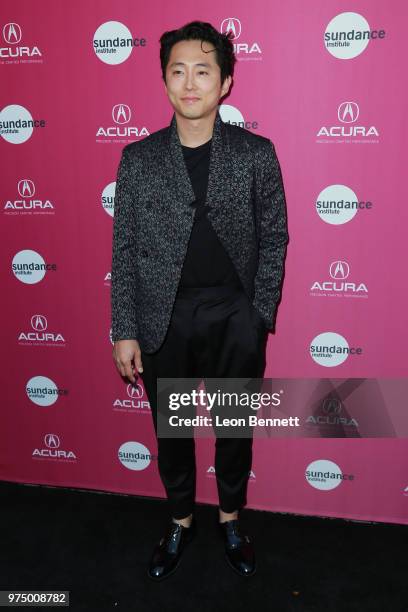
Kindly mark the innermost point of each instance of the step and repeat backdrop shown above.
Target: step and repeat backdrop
(79, 81)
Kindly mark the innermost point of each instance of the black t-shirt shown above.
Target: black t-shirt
(206, 263)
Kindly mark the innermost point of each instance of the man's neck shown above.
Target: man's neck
(195, 132)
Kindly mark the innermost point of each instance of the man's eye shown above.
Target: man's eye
(203, 72)
(177, 72)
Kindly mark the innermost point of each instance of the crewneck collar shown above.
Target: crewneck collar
(201, 146)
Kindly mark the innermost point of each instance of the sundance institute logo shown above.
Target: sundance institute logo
(17, 124)
(113, 42)
(331, 349)
(348, 34)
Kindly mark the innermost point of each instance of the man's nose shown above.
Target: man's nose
(189, 80)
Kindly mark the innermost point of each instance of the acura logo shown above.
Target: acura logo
(332, 405)
(121, 113)
(339, 269)
(12, 33)
(231, 24)
(348, 112)
(39, 322)
(52, 440)
(26, 188)
(135, 391)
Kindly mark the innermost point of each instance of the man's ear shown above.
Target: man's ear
(226, 85)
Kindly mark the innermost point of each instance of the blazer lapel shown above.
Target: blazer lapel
(181, 179)
(218, 188)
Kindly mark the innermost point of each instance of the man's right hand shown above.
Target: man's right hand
(127, 355)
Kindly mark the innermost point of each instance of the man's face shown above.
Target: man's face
(193, 79)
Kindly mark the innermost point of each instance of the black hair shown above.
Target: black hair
(204, 31)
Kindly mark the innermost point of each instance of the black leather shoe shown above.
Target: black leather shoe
(167, 553)
(239, 550)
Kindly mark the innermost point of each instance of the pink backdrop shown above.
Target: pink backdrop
(337, 117)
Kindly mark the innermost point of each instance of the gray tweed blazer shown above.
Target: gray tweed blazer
(153, 220)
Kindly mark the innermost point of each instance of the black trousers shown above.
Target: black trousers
(214, 332)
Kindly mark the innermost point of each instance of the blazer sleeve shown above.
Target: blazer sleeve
(273, 234)
(123, 279)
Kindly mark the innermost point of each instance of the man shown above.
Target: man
(199, 240)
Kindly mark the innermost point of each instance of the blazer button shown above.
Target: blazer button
(145, 254)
